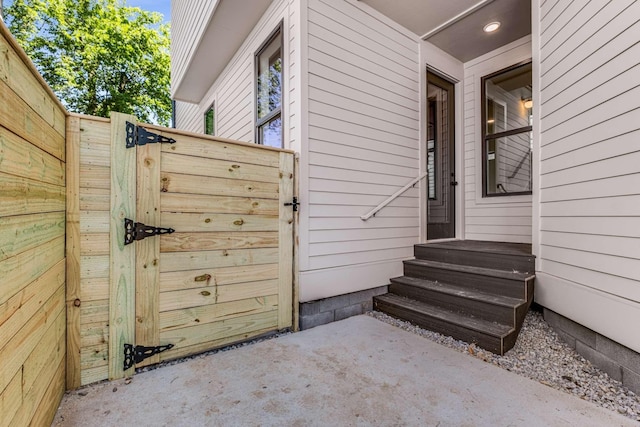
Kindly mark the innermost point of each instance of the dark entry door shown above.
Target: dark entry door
(441, 177)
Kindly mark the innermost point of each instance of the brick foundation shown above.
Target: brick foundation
(320, 312)
(619, 362)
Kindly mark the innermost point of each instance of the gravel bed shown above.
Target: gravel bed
(539, 354)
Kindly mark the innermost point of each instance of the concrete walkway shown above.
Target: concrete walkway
(356, 372)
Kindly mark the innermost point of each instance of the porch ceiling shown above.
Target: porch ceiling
(455, 26)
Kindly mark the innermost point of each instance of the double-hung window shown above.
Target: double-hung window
(269, 91)
(506, 131)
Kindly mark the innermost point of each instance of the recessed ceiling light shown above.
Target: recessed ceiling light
(491, 27)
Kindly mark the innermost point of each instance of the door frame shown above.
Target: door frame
(455, 147)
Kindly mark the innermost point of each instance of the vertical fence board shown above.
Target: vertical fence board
(73, 252)
(285, 303)
(148, 251)
(122, 271)
(295, 291)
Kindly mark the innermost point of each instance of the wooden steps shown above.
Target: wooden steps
(478, 292)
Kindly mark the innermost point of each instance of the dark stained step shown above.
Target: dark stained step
(482, 305)
(499, 256)
(491, 336)
(506, 283)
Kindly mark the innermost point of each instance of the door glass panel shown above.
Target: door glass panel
(431, 149)
(440, 158)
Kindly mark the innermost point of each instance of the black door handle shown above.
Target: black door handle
(454, 183)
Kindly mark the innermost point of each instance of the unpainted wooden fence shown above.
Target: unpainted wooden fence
(32, 242)
(224, 274)
(71, 193)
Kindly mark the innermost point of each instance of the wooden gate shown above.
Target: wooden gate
(216, 265)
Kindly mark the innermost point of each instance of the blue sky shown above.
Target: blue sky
(162, 6)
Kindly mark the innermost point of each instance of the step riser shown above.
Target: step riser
(495, 285)
(506, 262)
(490, 343)
(480, 309)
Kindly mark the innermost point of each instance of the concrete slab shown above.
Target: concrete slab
(355, 372)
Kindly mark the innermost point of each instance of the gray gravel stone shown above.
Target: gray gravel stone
(539, 354)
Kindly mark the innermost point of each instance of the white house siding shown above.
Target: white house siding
(189, 19)
(363, 117)
(505, 218)
(589, 183)
(188, 117)
(233, 92)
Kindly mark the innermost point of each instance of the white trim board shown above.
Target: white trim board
(319, 284)
(609, 315)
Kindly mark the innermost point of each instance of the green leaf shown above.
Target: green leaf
(98, 56)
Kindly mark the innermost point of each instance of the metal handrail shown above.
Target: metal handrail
(394, 196)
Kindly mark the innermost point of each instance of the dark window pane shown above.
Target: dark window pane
(270, 79)
(271, 133)
(508, 165)
(508, 100)
(209, 120)
(269, 92)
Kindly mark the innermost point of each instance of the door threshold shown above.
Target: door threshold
(447, 239)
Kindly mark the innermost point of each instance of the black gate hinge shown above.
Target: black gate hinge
(294, 203)
(137, 135)
(137, 231)
(137, 354)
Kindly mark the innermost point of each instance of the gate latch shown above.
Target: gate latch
(137, 135)
(137, 231)
(137, 354)
(294, 203)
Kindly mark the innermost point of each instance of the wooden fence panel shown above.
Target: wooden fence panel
(88, 249)
(226, 273)
(224, 276)
(32, 242)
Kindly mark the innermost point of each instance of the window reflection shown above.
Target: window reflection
(507, 136)
(271, 133)
(269, 93)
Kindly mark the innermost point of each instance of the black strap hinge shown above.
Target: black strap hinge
(137, 135)
(137, 231)
(137, 354)
(294, 203)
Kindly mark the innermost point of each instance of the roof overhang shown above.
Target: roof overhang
(230, 23)
(456, 26)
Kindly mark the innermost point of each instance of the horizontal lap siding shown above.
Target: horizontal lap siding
(233, 91)
(503, 219)
(363, 85)
(188, 117)
(32, 243)
(589, 173)
(189, 19)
